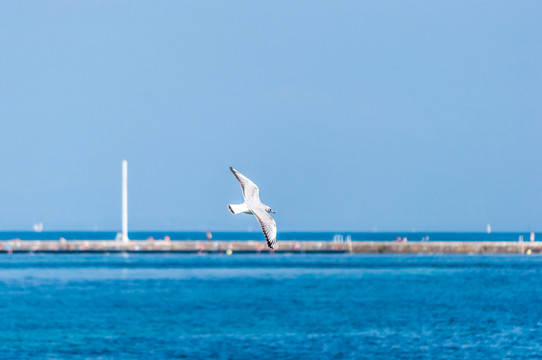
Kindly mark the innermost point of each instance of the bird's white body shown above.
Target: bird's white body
(254, 206)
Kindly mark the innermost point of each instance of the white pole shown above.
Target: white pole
(124, 201)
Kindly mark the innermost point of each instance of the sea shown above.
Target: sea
(270, 306)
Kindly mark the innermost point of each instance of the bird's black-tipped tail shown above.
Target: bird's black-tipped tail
(237, 209)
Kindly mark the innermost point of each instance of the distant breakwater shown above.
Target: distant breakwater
(232, 247)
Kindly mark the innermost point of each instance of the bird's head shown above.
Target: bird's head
(269, 210)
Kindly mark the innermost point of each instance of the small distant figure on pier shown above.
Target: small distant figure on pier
(150, 239)
(532, 237)
(209, 235)
(167, 238)
(63, 243)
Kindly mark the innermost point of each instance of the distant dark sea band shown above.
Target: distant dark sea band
(284, 236)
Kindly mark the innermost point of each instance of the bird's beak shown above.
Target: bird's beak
(273, 211)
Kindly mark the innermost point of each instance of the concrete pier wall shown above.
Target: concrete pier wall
(369, 247)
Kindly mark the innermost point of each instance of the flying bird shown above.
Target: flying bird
(254, 206)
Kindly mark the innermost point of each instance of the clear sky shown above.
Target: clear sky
(349, 115)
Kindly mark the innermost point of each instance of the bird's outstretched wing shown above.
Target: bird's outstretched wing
(268, 225)
(250, 190)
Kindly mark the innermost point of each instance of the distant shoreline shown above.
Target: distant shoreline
(257, 235)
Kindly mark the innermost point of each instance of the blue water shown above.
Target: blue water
(270, 307)
(258, 235)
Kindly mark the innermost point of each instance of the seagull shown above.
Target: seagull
(254, 206)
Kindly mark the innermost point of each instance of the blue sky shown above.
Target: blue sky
(349, 115)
